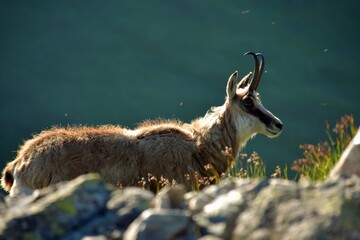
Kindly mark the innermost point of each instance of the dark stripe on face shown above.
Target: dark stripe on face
(264, 117)
(249, 104)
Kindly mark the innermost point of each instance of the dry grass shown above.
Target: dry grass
(316, 164)
(319, 159)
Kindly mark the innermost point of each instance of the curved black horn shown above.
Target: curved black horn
(261, 67)
(258, 69)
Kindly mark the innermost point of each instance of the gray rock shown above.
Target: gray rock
(127, 204)
(287, 211)
(53, 212)
(161, 224)
(210, 237)
(218, 216)
(123, 207)
(216, 208)
(170, 197)
(349, 163)
(82, 207)
(197, 201)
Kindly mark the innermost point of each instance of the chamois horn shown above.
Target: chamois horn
(258, 69)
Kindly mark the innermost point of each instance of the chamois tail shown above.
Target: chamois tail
(7, 179)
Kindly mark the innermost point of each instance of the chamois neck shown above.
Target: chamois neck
(217, 137)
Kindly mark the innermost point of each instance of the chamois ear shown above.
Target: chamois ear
(245, 81)
(231, 86)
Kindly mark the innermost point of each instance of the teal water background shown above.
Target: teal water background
(121, 62)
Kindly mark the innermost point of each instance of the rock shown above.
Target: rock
(86, 208)
(53, 212)
(161, 224)
(123, 207)
(210, 237)
(326, 211)
(197, 201)
(82, 207)
(260, 209)
(349, 162)
(170, 197)
(218, 216)
(249, 187)
(216, 208)
(127, 204)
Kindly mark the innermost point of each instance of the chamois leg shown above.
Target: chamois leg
(18, 189)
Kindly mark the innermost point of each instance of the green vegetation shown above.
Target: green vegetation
(319, 159)
(248, 167)
(316, 164)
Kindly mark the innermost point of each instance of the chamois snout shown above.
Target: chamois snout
(264, 121)
(274, 127)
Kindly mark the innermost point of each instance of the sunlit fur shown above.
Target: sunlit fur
(172, 149)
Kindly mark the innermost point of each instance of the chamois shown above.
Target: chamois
(171, 149)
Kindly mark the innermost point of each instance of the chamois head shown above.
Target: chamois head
(251, 116)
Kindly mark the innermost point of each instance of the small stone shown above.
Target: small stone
(210, 237)
(94, 238)
(160, 224)
(170, 197)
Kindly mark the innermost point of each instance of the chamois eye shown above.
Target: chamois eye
(248, 103)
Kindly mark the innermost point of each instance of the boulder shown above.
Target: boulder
(349, 163)
(326, 211)
(216, 208)
(82, 207)
(55, 211)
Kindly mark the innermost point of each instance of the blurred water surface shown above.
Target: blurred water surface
(121, 62)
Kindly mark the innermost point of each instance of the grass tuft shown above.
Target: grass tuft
(320, 159)
(316, 164)
(247, 167)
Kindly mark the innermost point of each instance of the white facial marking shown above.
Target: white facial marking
(245, 125)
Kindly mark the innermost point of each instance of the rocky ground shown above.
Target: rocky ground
(237, 209)
(87, 208)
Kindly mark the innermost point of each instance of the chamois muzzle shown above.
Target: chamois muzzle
(258, 69)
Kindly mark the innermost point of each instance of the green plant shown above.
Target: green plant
(319, 159)
(316, 164)
(254, 167)
(248, 167)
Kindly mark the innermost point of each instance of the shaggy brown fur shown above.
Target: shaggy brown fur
(122, 156)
